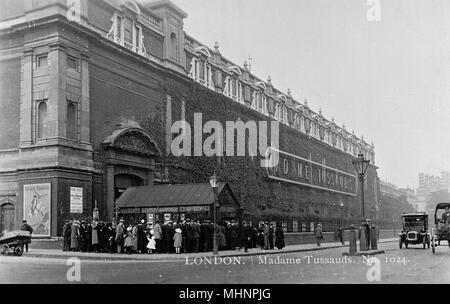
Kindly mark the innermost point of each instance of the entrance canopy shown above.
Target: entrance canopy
(162, 196)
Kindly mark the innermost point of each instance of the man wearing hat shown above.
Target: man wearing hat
(26, 227)
(66, 235)
(74, 235)
(120, 230)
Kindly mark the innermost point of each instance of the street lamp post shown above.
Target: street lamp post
(361, 164)
(213, 182)
(342, 213)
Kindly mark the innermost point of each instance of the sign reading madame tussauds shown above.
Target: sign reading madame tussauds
(302, 171)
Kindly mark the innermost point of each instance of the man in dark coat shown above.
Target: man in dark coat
(189, 236)
(271, 235)
(66, 235)
(88, 237)
(141, 238)
(167, 234)
(244, 236)
(204, 235)
(234, 235)
(196, 235)
(26, 227)
(279, 237)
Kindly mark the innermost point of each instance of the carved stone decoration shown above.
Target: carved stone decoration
(135, 141)
(321, 132)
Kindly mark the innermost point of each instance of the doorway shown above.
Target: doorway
(7, 217)
(124, 181)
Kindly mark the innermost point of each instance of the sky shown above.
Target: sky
(389, 80)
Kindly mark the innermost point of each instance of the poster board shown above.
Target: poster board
(76, 200)
(37, 208)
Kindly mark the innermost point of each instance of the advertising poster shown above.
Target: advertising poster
(76, 200)
(150, 218)
(295, 226)
(167, 217)
(303, 227)
(36, 207)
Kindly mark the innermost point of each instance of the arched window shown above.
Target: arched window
(71, 121)
(42, 120)
(173, 46)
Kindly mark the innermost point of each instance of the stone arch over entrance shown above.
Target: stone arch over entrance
(129, 161)
(7, 215)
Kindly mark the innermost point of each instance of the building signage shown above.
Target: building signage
(195, 209)
(305, 172)
(76, 200)
(36, 208)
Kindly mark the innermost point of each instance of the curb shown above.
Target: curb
(182, 257)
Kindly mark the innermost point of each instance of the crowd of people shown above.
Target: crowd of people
(189, 236)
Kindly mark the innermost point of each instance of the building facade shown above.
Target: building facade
(89, 94)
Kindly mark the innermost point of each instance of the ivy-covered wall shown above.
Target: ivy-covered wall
(131, 91)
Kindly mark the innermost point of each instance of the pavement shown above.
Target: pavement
(413, 265)
(55, 253)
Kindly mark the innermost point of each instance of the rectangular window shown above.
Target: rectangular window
(72, 63)
(42, 61)
(128, 31)
(119, 28)
(137, 38)
(208, 76)
(202, 70)
(307, 172)
(300, 170)
(233, 88)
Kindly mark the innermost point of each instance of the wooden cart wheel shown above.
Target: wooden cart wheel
(18, 251)
(4, 249)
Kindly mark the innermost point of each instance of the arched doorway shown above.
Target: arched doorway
(124, 181)
(7, 216)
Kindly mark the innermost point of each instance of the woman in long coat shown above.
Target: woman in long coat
(129, 241)
(94, 236)
(222, 240)
(279, 238)
(74, 236)
(135, 238)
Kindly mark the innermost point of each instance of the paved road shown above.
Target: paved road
(412, 265)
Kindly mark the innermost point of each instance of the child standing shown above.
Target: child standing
(151, 246)
(129, 240)
(177, 240)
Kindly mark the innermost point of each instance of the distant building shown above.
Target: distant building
(431, 183)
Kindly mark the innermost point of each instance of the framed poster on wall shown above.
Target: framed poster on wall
(76, 200)
(37, 207)
(150, 218)
(167, 217)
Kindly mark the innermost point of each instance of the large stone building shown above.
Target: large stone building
(87, 101)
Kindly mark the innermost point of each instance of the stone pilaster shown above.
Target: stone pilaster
(26, 99)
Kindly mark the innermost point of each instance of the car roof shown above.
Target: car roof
(442, 206)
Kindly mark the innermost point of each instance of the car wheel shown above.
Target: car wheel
(18, 251)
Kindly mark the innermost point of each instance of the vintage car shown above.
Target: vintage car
(441, 232)
(415, 230)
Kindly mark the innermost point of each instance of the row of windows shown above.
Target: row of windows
(201, 72)
(71, 62)
(42, 121)
(126, 32)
